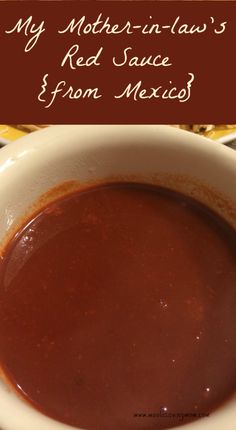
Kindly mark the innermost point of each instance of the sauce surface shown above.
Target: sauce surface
(121, 300)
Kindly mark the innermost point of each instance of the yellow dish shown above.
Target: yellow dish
(218, 133)
(9, 134)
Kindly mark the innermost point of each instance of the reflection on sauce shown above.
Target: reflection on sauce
(120, 300)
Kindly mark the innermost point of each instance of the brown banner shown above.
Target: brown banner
(117, 62)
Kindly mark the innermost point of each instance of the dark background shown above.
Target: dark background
(210, 57)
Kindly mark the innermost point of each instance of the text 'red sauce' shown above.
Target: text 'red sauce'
(120, 301)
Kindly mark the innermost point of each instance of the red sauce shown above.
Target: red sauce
(120, 300)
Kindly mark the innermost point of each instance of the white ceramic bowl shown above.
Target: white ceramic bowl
(156, 154)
